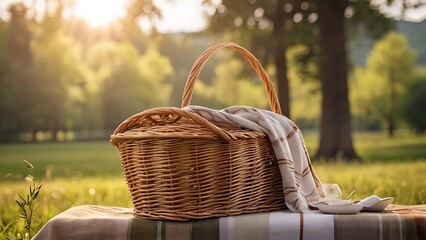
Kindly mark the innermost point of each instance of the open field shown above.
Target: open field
(101, 158)
(61, 159)
(90, 173)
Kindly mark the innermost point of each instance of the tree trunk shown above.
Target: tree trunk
(335, 133)
(280, 60)
(283, 85)
(33, 135)
(391, 127)
(391, 114)
(55, 130)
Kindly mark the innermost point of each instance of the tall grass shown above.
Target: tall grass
(402, 180)
(60, 194)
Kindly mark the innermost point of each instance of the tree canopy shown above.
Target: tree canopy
(381, 84)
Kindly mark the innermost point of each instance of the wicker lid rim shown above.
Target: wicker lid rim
(147, 116)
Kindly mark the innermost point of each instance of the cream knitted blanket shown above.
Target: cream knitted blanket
(300, 183)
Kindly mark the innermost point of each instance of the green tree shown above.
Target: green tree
(305, 91)
(18, 92)
(3, 87)
(129, 82)
(365, 99)
(413, 101)
(388, 71)
(230, 87)
(58, 74)
(40, 72)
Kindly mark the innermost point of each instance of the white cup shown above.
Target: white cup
(331, 190)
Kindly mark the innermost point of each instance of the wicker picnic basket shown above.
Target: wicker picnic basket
(178, 166)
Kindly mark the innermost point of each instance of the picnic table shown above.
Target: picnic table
(104, 222)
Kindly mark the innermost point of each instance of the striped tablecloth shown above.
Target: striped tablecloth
(101, 222)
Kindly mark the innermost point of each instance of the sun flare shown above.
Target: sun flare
(98, 12)
(177, 15)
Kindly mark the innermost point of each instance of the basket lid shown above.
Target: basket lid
(171, 122)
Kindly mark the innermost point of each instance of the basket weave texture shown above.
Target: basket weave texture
(178, 166)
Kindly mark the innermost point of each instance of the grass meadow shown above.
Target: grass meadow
(90, 173)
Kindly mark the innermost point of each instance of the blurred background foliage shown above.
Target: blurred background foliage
(63, 79)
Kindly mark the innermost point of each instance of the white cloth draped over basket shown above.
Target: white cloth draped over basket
(300, 183)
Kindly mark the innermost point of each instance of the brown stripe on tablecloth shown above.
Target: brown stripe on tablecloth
(205, 229)
(252, 226)
(143, 229)
(356, 226)
(178, 230)
(420, 226)
(390, 226)
(414, 226)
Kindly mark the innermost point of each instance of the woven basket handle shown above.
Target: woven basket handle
(168, 115)
(198, 65)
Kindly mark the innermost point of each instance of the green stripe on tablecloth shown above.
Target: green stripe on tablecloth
(409, 227)
(166, 230)
(143, 229)
(207, 229)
